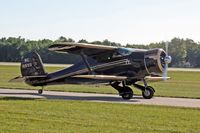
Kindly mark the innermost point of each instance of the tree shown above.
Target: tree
(82, 41)
(177, 49)
(12, 49)
(64, 39)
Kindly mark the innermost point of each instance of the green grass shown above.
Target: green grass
(182, 84)
(46, 116)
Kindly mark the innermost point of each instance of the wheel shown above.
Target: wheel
(127, 94)
(148, 93)
(40, 91)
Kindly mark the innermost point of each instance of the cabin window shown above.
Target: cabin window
(122, 52)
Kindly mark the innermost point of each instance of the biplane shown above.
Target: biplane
(118, 67)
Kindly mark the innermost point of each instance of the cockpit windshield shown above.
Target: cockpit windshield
(125, 51)
(122, 52)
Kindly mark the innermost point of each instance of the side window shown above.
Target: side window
(104, 57)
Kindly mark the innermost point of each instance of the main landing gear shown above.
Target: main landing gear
(147, 92)
(127, 93)
(124, 91)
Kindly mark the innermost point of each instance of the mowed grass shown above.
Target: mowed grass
(182, 84)
(55, 116)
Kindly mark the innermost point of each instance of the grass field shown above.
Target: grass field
(182, 84)
(46, 116)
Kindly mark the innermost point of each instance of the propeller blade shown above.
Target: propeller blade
(165, 72)
(166, 48)
(167, 61)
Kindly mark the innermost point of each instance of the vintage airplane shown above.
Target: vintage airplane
(116, 66)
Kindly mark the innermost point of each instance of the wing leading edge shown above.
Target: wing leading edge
(78, 48)
(150, 78)
(102, 77)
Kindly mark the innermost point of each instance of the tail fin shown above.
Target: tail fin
(31, 65)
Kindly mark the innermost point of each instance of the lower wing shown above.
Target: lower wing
(118, 78)
(102, 77)
(150, 78)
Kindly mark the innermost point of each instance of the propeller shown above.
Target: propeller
(167, 60)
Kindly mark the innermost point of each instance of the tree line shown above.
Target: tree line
(184, 52)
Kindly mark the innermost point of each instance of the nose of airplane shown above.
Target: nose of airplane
(154, 60)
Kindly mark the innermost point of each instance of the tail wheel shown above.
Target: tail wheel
(148, 92)
(127, 94)
(40, 91)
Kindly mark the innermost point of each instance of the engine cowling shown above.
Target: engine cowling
(155, 60)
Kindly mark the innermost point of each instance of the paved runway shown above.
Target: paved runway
(181, 102)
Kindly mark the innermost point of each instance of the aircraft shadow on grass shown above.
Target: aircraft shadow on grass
(34, 96)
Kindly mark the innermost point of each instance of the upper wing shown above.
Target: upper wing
(77, 48)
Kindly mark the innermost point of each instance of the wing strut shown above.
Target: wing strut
(84, 57)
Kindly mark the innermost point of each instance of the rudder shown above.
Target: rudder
(31, 65)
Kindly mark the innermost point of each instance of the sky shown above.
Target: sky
(122, 21)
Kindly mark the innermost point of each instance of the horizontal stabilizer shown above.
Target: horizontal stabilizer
(101, 77)
(149, 78)
(21, 79)
(17, 79)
